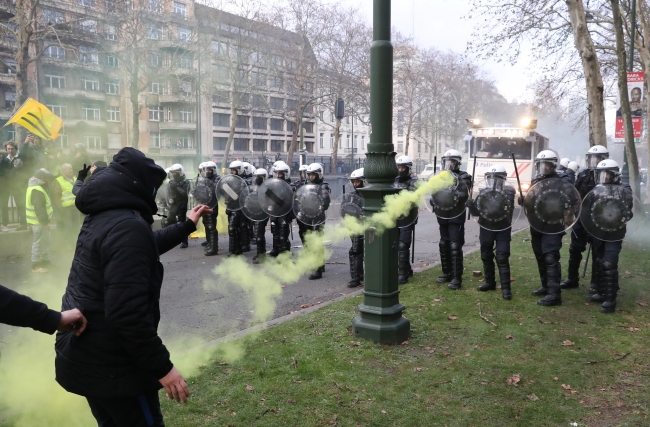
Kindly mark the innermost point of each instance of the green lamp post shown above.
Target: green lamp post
(380, 315)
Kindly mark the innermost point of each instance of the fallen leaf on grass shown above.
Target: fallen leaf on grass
(566, 386)
(405, 342)
(417, 395)
(567, 343)
(338, 396)
(383, 412)
(642, 304)
(510, 337)
(452, 317)
(304, 306)
(634, 329)
(513, 380)
(291, 401)
(619, 404)
(555, 378)
(593, 338)
(250, 388)
(533, 397)
(417, 369)
(437, 300)
(355, 343)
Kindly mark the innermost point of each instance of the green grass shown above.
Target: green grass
(451, 372)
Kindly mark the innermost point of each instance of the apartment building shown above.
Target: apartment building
(354, 137)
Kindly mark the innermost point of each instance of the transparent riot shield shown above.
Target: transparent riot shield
(449, 202)
(609, 213)
(352, 205)
(203, 192)
(229, 191)
(275, 197)
(310, 204)
(249, 201)
(552, 206)
(497, 210)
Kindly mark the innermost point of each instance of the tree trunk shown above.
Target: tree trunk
(135, 103)
(335, 149)
(22, 62)
(294, 139)
(591, 68)
(408, 138)
(644, 53)
(231, 134)
(632, 161)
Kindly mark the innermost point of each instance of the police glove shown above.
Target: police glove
(469, 203)
(83, 173)
(520, 200)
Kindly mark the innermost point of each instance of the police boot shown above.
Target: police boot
(212, 248)
(318, 273)
(610, 284)
(245, 241)
(456, 267)
(234, 244)
(285, 244)
(356, 267)
(204, 244)
(445, 262)
(275, 251)
(596, 277)
(541, 267)
(553, 271)
(504, 276)
(572, 281)
(403, 264)
(488, 271)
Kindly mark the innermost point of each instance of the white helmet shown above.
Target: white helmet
(176, 167)
(251, 169)
(281, 167)
(237, 166)
(407, 162)
(608, 172)
(317, 169)
(245, 168)
(595, 155)
(260, 173)
(451, 160)
(302, 172)
(358, 175)
(573, 166)
(495, 177)
(209, 165)
(497, 170)
(564, 162)
(201, 166)
(545, 162)
(302, 168)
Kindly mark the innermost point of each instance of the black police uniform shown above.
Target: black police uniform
(302, 228)
(238, 229)
(210, 222)
(259, 230)
(404, 270)
(499, 240)
(179, 190)
(547, 253)
(584, 183)
(452, 239)
(315, 228)
(280, 228)
(356, 256)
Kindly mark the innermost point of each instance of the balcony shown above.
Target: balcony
(171, 42)
(75, 93)
(173, 152)
(177, 97)
(6, 114)
(180, 18)
(73, 63)
(8, 79)
(91, 124)
(177, 125)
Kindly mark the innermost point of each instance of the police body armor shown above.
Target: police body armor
(311, 202)
(552, 205)
(449, 202)
(495, 208)
(412, 216)
(608, 212)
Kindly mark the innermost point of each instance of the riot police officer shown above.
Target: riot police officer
(210, 221)
(259, 227)
(302, 180)
(237, 222)
(547, 246)
(563, 165)
(281, 226)
(315, 176)
(405, 179)
(358, 180)
(495, 229)
(452, 231)
(179, 189)
(584, 183)
(606, 251)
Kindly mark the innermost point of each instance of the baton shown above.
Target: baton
(471, 188)
(517, 173)
(435, 164)
(584, 272)
(413, 246)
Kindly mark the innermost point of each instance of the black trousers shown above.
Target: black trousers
(494, 242)
(546, 244)
(607, 252)
(129, 411)
(452, 231)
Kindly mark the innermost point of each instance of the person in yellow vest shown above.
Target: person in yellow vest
(67, 215)
(38, 212)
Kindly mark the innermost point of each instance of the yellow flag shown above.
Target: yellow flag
(38, 119)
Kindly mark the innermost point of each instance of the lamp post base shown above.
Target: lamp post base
(381, 325)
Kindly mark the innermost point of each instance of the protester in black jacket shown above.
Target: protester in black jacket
(20, 310)
(115, 279)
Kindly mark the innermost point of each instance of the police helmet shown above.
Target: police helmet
(451, 160)
(595, 155)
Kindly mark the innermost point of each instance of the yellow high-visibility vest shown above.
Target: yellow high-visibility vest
(29, 207)
(67, 198)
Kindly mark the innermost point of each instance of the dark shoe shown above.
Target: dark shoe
(245, 249)
(506, 293)
(445, 278)
(593, 288)
(540, 292)
(402, 279)
(274, 252)
(595, 298)
(204, 244)
(487, 287)
(455, 284)
(316, 275)
(354, 284)
(259, 258)
(551, 300)
(569, 284)
(608, 307)
(183, 245)
(210, 251)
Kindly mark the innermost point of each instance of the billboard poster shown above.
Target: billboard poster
(636, 95)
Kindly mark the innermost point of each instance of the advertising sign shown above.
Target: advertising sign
(636, 95)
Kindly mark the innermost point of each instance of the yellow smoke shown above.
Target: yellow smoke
(222, 225)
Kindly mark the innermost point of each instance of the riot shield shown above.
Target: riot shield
(606, 213)
(310, 204)
(497, 211)
(275, 197)
(229, 191)
(449, 202)
(162, 196)
(203, 192)
(249, 202)
(352, 204)
(552, 206)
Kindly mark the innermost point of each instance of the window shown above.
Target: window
(179, 8)
(154, 140)
(184, 142)
(185, 63)
(321, 141)
(186, 116)
(220, 72)
(88, 55)
(61, 141)
(219, 47)
(321, 115)
(88, 25)
(93, 142)
(400, 146)
(259, 123)
(219, 143)
(184, 34)
(400, 131)
(331, 140)
(153, 6)
(110, 32)
(90, 112)
(154, 32)
(219, 119)
(426, 146)
(155, 113)
(290, 126)
(59, 110)
(112, 61)
(347, 142)
(113, 114)
(111, 7)
(276, 82)
(277, 146)
(154, 88)
(277, 124)
(309, 127)
(51, 17)
(292, 104)
(243, 99)
(54, 52)
(87, 3)
(242, 122)
(89, 84)
(154, 60)
(169, 113)
(258, 101)
(221, 96)
(277, 103)
(113, 87)
(259, 145)
(185, 88)
(331, 117)
(258, 78)
(363, 142)
(354, 141)
(340, 142)
(241, 144)
(55, 82)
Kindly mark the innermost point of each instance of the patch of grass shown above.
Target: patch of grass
(310, 371)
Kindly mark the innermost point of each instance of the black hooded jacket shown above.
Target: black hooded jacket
(115, 280)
